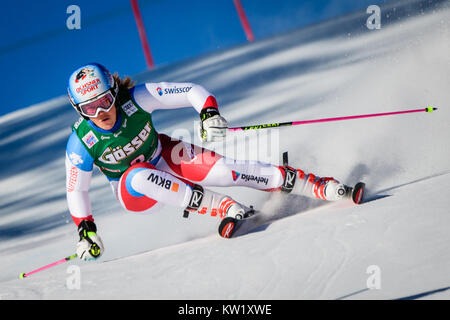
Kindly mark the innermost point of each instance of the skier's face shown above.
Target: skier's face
(106, 120)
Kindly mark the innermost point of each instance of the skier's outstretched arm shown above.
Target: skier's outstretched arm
(79, 167)
(172, 95)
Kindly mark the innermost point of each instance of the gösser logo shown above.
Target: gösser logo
(118, 153)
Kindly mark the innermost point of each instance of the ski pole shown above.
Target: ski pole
(23, 275)
(296, 123)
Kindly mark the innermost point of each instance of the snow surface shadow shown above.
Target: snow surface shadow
(41, 225)
(352, 294)
(385, 193)
(376, 197)
(34, 141)
(412, 297)
(424, 294)
(280, 206)
(382, 193)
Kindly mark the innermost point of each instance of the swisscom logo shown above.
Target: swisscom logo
(173, 90)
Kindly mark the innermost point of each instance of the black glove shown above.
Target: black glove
(90, 246)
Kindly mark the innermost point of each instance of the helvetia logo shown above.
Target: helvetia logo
(159, 90)
(250, 177)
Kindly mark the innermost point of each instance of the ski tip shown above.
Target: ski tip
(358, 193)
(22, 275)
(431, 109)
(226, 227)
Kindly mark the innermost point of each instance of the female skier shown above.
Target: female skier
(147, 169)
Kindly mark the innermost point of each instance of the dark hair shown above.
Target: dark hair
(125, 83)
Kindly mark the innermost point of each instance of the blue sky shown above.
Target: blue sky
(38, 52)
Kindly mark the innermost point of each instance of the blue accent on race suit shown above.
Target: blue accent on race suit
(128, 180)
(78, 154)
(156, 159)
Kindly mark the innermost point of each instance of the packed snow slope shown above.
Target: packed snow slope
(398, 244)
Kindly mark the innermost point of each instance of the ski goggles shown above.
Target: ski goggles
(91, 108)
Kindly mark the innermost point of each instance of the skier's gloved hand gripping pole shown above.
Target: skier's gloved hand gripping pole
(213, 126)
(295, 123)
(90, 247)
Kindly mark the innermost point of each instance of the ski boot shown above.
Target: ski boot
(205, 201)
(298, 183)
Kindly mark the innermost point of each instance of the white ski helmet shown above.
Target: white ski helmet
(92, 89)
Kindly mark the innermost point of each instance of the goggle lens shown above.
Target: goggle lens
(103, 103)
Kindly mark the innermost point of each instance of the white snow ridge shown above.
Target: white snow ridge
(395, 246)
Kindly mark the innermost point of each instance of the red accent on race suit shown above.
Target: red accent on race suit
(210, 102)
(77, 220)
(188, 161)
(132, 203)
(72, 179)
(283, 174)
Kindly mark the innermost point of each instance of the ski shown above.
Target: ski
(356, 193)
(229, 226)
